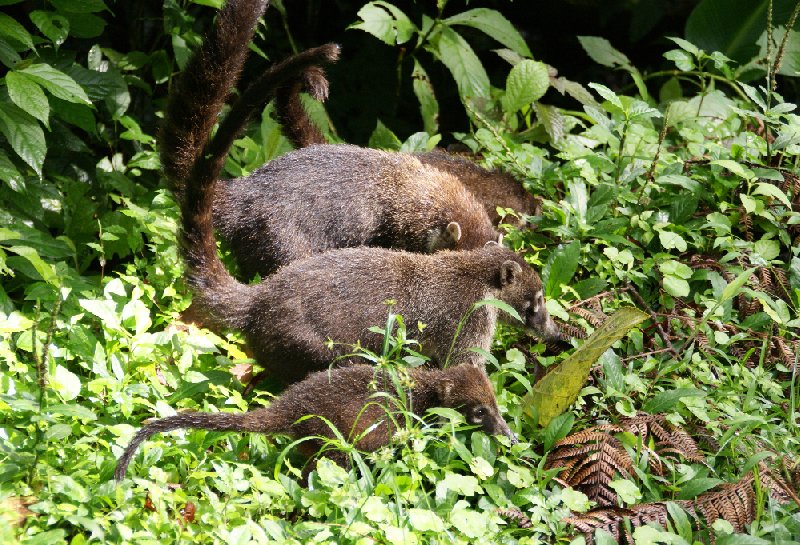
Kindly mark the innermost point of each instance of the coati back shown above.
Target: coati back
(288, 318)
(347, 398)
(340, 196)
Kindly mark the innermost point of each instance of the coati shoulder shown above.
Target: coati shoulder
(288, 318)
(338, 196)
(346, 397)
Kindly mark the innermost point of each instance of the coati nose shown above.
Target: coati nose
(503, 429)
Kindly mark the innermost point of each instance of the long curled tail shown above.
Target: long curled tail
(194, 104)
(285, 80)
(255, 421)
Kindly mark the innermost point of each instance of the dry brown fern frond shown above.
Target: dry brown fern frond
(590, 460)
(594, 318)
(733, 502)
(517, 516)
(670, 441)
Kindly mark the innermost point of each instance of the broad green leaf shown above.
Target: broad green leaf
(85, 25)
(562, 269)
(557, 429)
(470, 523)
(627, 490)
(404, 28)
(24, 134)
(457, 55)
(607, 94)
(52, 25)
(502, 305)
(480, 467)
(561, 386)
(424, 520)
(665, 401)
(383, 138)
(679, 180)
(527, 82)
(602, 52)
(79, 6)
(677, 287)
(735, 168)
(65, 383)
(104, 309)
(12, 29)
(428, 105)
(14, 323)
(772, 191)
(44, 269)
(377, 21)
(57, 83)
(768, 249)
(685, 45)
(463, 485)
(575, 500)
(551, 119)
(26, 94)
(731, 290)
(697, 486)
(493, 24)
(8, 56)
(72, 409)
(670, 240)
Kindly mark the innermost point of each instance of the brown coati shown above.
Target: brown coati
(339, 196)
(288, 318)
(351, 399)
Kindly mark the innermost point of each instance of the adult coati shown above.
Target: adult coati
(288, 318)
(350, 398)
(491, 187)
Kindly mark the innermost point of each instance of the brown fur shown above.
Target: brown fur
(347, 398)
(324, 197)
(339, 294)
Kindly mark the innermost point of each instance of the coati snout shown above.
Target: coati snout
(352, 399)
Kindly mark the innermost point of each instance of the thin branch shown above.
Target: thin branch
(643, 304)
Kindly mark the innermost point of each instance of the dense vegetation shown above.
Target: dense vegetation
(671, 186)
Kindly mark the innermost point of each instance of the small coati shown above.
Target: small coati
(347, 398)
(288, 318)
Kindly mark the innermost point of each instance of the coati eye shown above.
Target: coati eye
(478, 413)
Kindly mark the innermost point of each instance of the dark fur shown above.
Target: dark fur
(346, 398)
(323, 197)
(339, 294)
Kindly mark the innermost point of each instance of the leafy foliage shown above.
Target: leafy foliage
(677, 193)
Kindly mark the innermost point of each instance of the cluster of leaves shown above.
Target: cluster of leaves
(685, 205)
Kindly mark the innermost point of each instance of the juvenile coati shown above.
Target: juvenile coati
(288, 317)
(347, 398)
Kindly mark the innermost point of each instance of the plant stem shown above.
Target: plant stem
(699, 73)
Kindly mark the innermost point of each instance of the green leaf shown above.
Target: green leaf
(72, 409)
(607, 94)
(602, 52)
(428, 105)
(677, 287)
(79, 6)
(52, 25)
(502, 305)
(65, 383)
(8, 56)
(627, 490)
(735, 168)
(24, 134)
(561, 386)
(26, 94)
(85, 25)
(768, 249)
(527, 82)
(665, 401)
(680, 181)
(424, 520)
(457, 55)
(697, 486)
(770, 190)
(493, 24)
(57, 83)
(562, 269)
(44, 269)
(670, 240)
(383, 138)
(557, 429)
(12, 29)
(386, 22)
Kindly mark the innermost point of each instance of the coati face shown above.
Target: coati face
(467, 389)
(521, 288)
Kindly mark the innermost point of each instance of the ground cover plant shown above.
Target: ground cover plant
(675, 192)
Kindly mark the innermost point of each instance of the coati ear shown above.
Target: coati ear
(454, 230)
(500, 239)
(508, 272)
(490, 243)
